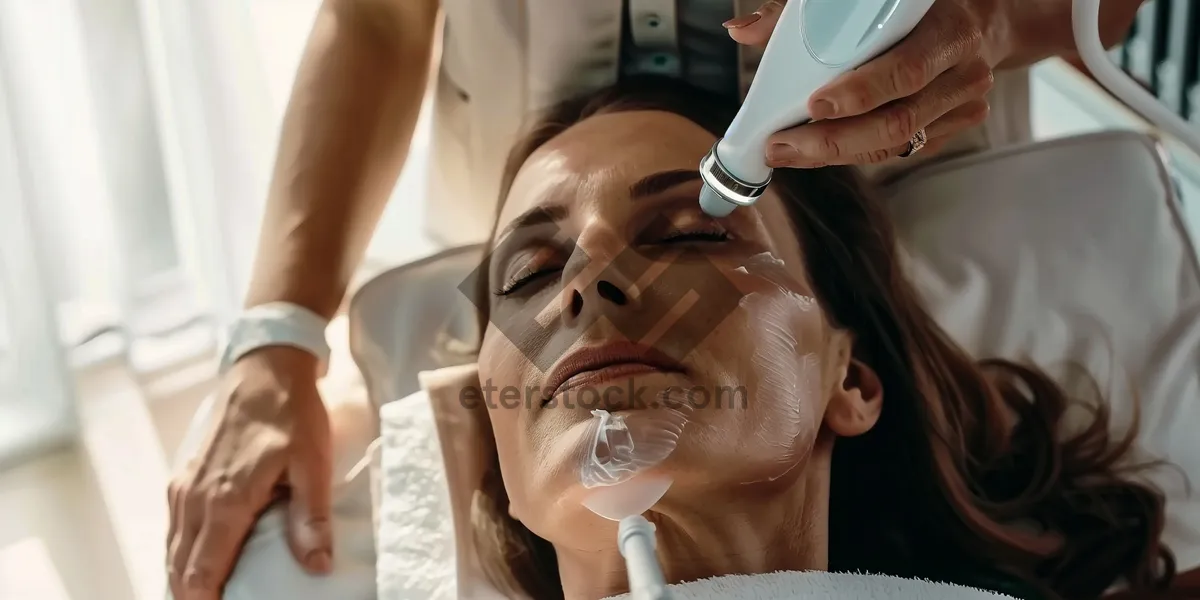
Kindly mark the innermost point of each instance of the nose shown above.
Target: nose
(600, 285)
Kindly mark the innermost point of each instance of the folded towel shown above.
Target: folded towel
(816, 585)
(415, 540)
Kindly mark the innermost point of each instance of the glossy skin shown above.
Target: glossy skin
(769, 460)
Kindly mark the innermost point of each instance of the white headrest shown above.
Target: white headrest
(400, 320)
(1085, 224)
(1073, 252)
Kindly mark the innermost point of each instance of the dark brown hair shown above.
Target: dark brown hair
(967, 454)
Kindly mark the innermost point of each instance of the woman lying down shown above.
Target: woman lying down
(773, 373)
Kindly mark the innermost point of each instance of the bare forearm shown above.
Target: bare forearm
(1040, 29)
(345, 137)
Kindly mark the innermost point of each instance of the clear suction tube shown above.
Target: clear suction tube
(635, 539)
(618, 452)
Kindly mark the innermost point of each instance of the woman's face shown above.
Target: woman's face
(611, 289)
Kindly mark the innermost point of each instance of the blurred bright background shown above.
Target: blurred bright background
(136, 141)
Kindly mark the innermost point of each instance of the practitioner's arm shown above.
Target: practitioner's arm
(345, 137)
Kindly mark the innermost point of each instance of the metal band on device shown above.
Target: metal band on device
(733, 189)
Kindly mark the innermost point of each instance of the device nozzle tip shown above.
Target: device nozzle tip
(714, 204)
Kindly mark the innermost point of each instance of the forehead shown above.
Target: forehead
(604, 153)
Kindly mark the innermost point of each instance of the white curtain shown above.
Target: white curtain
(215, 128)
(53, 198)
(136, 140)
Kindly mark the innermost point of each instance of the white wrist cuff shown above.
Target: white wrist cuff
(276, 324)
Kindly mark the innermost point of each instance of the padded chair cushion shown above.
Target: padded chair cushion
(1073, 251)
(1070, 251)
(410, 319)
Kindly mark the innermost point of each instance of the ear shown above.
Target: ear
(856, 397)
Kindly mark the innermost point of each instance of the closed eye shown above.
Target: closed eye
(515, 284)
(524, 279)
(695, 236)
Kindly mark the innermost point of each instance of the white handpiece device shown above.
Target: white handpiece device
(813, 42)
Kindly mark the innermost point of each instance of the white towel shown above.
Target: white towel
(818, 585)
(415, 540)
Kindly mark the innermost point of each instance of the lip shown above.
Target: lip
(596, 364)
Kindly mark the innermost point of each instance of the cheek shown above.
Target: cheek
(501, 369)
(763, 395)
(506, 428)
(507, 374)
(499, 360)
(770, 353)
(539, 458)
(783, 366)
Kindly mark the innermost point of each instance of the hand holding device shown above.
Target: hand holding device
(814, 42)
(937, 78)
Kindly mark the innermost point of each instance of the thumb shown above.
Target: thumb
(755, 28)
(309, 524)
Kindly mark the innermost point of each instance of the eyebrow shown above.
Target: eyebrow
(650, 185)
(660, 182)
(538, 215)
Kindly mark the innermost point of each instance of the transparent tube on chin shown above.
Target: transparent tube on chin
(618, 453)
(622, 449)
